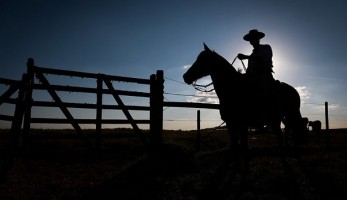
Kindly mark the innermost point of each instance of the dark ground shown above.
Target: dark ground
(60, 167)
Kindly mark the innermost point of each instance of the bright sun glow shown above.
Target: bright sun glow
(283, 62)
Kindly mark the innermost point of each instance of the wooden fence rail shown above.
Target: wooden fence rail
(22, 119)
(191, 105)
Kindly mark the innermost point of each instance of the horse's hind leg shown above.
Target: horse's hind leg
(298, 128)
(244, 147)
(238, 146)
(234, 145)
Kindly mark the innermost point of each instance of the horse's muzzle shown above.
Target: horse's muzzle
(186, 79)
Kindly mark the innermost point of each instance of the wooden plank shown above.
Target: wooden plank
(88, 106)
(6, 117)
(66, 112)
(89, 90)
(98, 123)
(8, 93)
(28, 103)
(6, 81)
(156, 114)
(90, 75)
(191, 105)
(13, 148)
(117, 107)
(125, 111)
(84, 121)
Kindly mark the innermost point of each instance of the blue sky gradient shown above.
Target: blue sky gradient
(136, 38)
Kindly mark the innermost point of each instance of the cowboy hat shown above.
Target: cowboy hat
(253, 34)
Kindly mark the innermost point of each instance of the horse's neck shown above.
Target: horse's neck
(222, 68)
(223, 63)
(223, 77)
(221, 82)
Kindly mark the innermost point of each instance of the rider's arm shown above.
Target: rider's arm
(264, 54)
(253, 57)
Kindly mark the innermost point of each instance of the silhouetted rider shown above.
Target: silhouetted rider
(259, 66)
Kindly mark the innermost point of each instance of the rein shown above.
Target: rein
(243, 64)
(202, 88)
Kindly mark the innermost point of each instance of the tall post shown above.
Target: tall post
(327, 132)
(98, 125)
(326, 116)
(160, 85)
(156, 109)
(198, 133)
(28, 102)
(16, 130)
(152, 113)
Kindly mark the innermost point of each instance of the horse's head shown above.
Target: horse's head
(201, 67)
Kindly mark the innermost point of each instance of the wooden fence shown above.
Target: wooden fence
(22, 118)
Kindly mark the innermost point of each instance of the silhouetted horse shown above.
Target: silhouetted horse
(237, 105)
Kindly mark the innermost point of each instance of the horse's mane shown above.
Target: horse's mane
(225, 62)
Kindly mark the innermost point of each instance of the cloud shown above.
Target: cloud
(211, 97)
(204, 97)
(304, 93)
(331, 107)
(186, 66)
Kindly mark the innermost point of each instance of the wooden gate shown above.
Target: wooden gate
(22, 118)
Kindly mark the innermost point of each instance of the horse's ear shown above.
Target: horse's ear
(206, 47)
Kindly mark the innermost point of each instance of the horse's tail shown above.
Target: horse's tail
(290, 110)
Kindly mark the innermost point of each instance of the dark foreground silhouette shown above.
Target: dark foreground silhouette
(64, 169)
(237, 107)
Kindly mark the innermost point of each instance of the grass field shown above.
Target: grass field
(57, 165)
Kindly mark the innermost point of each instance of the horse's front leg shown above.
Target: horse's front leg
(238, 145)
(276, 127)
(244, 147)
(234, 144)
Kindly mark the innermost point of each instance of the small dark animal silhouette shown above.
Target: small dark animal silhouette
(316, 126)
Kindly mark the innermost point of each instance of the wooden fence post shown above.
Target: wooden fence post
(156, 108)
(327, 132)
(28, 102)
(98, 125)
(198, 133)
(16, 126)
(13, 148)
